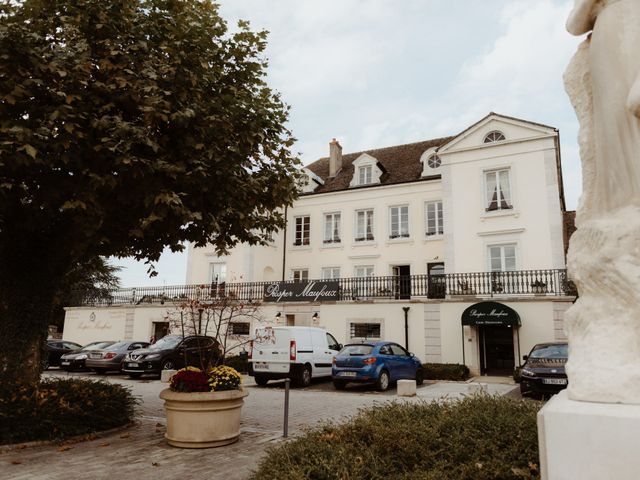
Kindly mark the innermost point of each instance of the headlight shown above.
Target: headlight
(527, 373)
(127, 356)
(153, 356)
(81, 357)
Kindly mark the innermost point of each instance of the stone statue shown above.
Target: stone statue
(603, 82)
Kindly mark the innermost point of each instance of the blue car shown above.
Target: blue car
(381, 363)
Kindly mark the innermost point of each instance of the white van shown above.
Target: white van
(298, 353)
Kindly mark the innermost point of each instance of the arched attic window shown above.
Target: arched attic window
(494, 136)
(434, 161)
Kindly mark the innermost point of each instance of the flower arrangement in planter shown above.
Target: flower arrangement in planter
(203, 408)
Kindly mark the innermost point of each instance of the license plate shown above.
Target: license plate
(260, 366)
(554, 381)
(348, 374)
(65, 363)
(133, 364)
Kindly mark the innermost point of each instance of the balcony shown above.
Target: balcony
(519, 283)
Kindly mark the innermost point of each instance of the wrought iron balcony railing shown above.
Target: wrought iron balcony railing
(400, 287)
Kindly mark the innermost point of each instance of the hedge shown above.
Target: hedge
(239, 362)
(59, 408)
(445, 371)
(476, 438)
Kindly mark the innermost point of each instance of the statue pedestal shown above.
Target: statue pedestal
(588, 441)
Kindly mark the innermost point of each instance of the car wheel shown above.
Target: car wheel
(419, 376)
(260, 380)
(339, 385)
(168, 365)
(382, 383)
(304, 379)
(135, 375)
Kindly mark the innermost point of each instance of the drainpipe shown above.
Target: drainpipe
(406, 327)
(284, 245)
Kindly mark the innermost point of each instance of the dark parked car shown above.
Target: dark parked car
(110, 357)
(55, 349)
(76, 359)
(169, 353)
(543, 372)
(375, 362)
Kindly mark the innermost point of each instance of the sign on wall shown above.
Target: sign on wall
(315, 291)
(490, 313)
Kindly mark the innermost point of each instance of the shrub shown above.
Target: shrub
(445, 371)
(59, 408)
(477, 438)
(238, 362)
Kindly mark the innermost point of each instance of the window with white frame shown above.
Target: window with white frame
(300, 274)
(365, 174)
(364, 225)
(502, 258)
(399, 221)
(303, 230)
(498, 190)
(435, 222)
(331, 228)
(217, 272)
(330, 273)
(363, 271)
(364, 330)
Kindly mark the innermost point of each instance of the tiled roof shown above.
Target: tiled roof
(400, 163)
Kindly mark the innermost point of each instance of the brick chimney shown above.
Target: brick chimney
(335, 157)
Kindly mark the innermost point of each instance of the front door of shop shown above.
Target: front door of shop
(496, 349)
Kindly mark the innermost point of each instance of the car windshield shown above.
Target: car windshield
(96, 345)
(550, 351)
(169, 341)
(354, 350)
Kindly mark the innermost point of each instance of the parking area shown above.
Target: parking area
(140, 451)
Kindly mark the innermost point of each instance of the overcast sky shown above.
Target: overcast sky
(375, 73)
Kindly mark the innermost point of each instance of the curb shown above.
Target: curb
(75, 439)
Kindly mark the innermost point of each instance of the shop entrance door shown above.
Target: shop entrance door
(496, 350)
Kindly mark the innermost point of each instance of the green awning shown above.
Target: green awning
(490, 313)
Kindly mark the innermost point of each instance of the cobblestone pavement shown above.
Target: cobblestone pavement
(141, 453)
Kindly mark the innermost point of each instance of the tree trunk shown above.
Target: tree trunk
(25, 308)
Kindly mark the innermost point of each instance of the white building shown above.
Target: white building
(432, 227)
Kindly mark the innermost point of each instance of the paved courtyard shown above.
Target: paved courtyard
(141, 452)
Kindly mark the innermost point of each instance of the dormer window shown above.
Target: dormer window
(365, 174)
(366, 171)
(434, 161)
(494, 136)
(431, 162)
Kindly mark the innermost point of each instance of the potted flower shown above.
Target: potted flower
(203, 408)
(539, 287)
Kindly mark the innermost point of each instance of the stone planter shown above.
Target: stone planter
(203, 419)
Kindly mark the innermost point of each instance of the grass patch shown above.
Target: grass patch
(60, 408)
(477, 438)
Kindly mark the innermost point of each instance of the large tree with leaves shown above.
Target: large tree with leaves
(127, 126)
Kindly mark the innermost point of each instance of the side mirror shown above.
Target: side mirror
(339, 346)
(525, 357)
